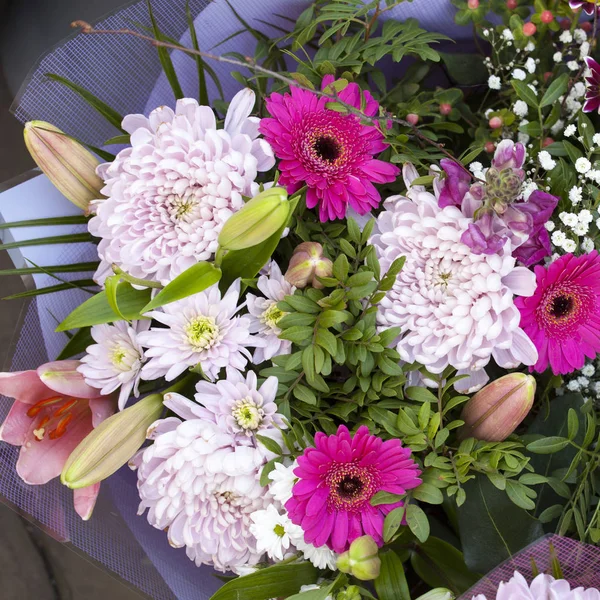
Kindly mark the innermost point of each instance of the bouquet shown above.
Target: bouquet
(343, 326)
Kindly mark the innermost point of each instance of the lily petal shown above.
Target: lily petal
(102, 408)
(17, 425)
(24, 386)
(84, 500)
(62, 377)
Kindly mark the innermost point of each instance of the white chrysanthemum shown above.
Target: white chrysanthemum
(543, 587)
(170, 193)
(265, 315)
(115, 360)
(201, 330)
(454, 307)
(283, 480)
(202, 489)
(322, 557)
(273, 532)
(237, 406)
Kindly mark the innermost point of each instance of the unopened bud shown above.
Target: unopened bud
(256, 221)
(495, 123)
(437, 594)
(529, 29)
(490, 147)
(361, 560)
(68, 165)
(352, 592)
(546, 16)
(511, 4)
(108, 447)
(473, 4)
(445, 108)
(494, 412)
(412, 118)
(308, 263)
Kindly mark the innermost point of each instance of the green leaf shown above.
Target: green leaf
(573, 424)
(384, 498)
(420, 394)
(270, 444)
(97, 310)
(165, 58)
(111, 115)
(248, 262)
(391, 583)
(548, 445)
(491, 526)
(192, 281)
(323, 593)
(516, 492)
(326, 340)
(272, 582)
(525, 93)
(76, 344)
(427, 492)
(305, 394)
(71, 238)
(72, 220)
(73, 268)
(556, 89)
(110, 285)
(417, 522)
(60, 287)
(465, 69)
(202, 89)
(392, 523)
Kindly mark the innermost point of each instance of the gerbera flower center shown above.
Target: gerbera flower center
(561, 306)
(564, 308)
(202, 332)
(350, 486)
(55, 415)
(272, 316)
(247, 414)
(327, 148)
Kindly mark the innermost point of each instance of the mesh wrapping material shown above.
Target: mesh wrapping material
(579, 562)
(125, 72)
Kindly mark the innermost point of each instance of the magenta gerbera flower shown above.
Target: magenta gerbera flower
(328, 151)
(562, 318)
(338, 478)
(592, 92)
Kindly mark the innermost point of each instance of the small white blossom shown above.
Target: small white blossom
(486, 32)
(598, 223)
(573, 386)
(573, 65)
(476, 167)
(546, 161)
(558, 238)
(520, 108)
(582, 165)
(550, 226)
(494, 82)
(594, 175)
(557, 126)
(580, 36)
(557, 57)
(519, 74)
(530, 65)
(583, 381)
(569, 246)
(585, 216)
(566, 37)
(587, 245)
(530, 47)
(528, 188)
(321, 557)
(581, 228)
(584, 50)
(577, 91)
(570, 130)
(588, 370)
(569, 219)
(575, 194)
(596, 139)
(507, 34)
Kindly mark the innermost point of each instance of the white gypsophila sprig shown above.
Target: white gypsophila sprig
(116, 359)
(170, 193)
(203, 330)
(264, 314)
(237, 406)
(454, 307)
(202, 488)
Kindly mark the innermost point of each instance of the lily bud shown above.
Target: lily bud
(68, 165)
(256, 221)
(308, 263)
(494, 412)
(361, 560)
(437, 594)
(108, 447)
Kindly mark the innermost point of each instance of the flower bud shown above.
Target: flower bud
(473, 4)
(68, 165)
(361, 561)
(308, 263)
(495, 123)
(494, 412)
(511, 4)
(529, 29)
(445, 108)
(108, 447)
(256, 221)
(547, 16)
(412, 118)
(352, 592)
(437, 594)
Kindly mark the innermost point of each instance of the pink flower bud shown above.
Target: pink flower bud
(308, 263)
(412, 118)
(565, 24)
(473, 4)
(547, 75)
(445, 108)
(495, 123)
(494, 412)
(546, 16)
(547, 141)
(489, 147)
(529, 29)
(511, 4)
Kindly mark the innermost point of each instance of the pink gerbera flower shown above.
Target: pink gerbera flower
(338, 478)
(328, 151)
(562, 318)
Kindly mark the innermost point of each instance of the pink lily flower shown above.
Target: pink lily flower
(54, 410)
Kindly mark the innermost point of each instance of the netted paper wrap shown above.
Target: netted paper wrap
(580, 564)
(125, 73)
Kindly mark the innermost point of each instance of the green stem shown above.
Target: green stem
(135, 280)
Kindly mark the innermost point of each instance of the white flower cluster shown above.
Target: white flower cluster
(546, 161)
(578, 225)
(586, 382)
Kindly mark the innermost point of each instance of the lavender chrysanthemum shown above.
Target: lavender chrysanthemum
(454, 307)
(170, 193)
(116, 359)
(264, 314)
(200, 330)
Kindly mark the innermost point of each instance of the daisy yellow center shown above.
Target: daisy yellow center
(272, 315)
(279, 530)
(247, 414)
(202, 332)
(117, 356)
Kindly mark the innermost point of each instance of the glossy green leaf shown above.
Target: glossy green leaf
(110, 286)
(272, 582)
(70, 220)
(192, 281)
(97, 310)
(391, 583)
(525, 93)
(76, 344)
(72, 238)
(417, 522)
(548, 445)
(72, 268)
(556, 89)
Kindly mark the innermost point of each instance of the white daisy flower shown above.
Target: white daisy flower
(283, 480)
(264, 314)
(200, 330)
(170, 193)
(273, 532)
(116, 359)
(321, 557)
